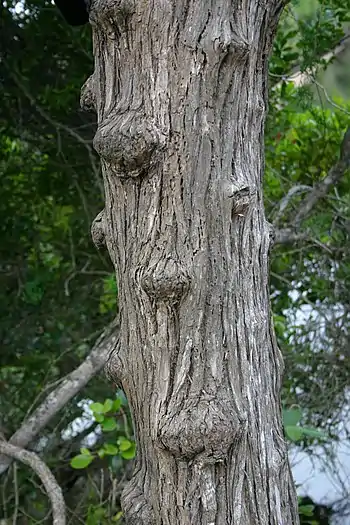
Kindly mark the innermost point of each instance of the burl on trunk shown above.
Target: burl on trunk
(180, 90)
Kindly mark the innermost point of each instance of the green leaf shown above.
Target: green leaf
(291, 416)
(124, 444)
(130, 453)
(81, 461)
(306, 510)
(122, 398)
(108, 406)
(110, 449)
(99, 417)
(85, 451)
(313, 432)
(33, 292)
(294, 433)
(97, 407)
(109, 424)
(117, 404)
(101, 453)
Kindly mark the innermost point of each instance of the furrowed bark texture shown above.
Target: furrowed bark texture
(180, 93)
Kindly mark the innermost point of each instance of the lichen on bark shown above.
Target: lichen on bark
(180, 91)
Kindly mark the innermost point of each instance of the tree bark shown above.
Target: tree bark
(180, 90)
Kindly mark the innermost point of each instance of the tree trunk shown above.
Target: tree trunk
(180, 90)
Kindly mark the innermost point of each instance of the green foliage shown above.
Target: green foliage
(308, 30)
(302, 146)
(306, 511)
(118, 445)
(98, 515)
(82, 460)
(108, 300)
(293, 430)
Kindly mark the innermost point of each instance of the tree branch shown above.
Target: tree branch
(52, 488)
(287, 236)
(68, 388)
(301, 78)
(287, 198)
(321, 189)
(292, 234)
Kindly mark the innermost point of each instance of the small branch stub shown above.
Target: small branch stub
(98, 230)
(166, 281)
(241, 197)
(88, 95)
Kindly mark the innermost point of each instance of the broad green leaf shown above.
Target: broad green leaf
(130, 453)
(294, 433)
(117, 404)
(291, 416)
(124, 444)
(110, 449)
(306, 510)
(99, 417)
(109, 424)
(81, 461)
(313, 432)
(108, 406)
(97, 407)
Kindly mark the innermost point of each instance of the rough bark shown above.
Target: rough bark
(180, 90)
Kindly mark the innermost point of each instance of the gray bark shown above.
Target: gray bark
(180, 90)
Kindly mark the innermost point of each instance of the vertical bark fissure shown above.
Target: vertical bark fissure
(180, 91)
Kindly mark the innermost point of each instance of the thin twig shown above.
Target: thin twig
(328, 98)
(287, 198)
(15, 486)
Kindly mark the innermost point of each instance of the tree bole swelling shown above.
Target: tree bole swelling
(180, 90)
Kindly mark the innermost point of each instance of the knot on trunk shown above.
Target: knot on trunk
(271, 234)
(98, 230)
(111, 14)
(165, 279)
(215, 35)
(130, 142)
(88, 95)
(241, 197)
(208, 428)
(114, 369)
